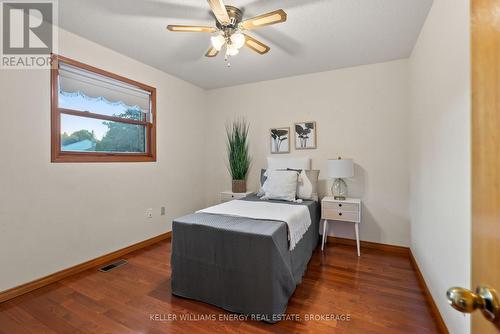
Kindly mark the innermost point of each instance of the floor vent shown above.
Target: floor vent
(113, 265)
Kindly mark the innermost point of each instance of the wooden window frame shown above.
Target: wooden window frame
(62, 156)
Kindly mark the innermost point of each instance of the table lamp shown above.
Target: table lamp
(339, 169)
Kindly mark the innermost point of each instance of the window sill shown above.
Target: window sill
(103, 157)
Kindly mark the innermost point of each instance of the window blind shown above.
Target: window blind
(75, 80)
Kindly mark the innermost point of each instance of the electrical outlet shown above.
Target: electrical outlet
(162, 211)
(149, 213)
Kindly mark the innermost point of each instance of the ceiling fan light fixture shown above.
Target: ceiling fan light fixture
(218, 41)
(238, 40)
(232, 50)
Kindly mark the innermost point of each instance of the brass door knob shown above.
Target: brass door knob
(466, 301)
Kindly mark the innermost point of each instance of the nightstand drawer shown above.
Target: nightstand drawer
(340, 206)
(340, 215)
(227, 197)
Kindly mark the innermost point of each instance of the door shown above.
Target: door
(485, 45)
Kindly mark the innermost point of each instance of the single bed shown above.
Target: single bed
(242, 265)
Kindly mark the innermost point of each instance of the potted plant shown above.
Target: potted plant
(238, 156)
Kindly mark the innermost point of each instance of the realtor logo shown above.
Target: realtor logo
(28, 33)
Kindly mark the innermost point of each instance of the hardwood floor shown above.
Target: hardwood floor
(379, 292)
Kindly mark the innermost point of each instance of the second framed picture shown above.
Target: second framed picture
(280, 140)
(305, 135)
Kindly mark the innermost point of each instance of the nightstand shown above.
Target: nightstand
(227, 196)
(348, 210)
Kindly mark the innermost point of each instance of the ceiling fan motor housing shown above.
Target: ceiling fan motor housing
(235, 15)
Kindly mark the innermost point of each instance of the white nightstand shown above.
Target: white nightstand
(227, 196)
(348, 210)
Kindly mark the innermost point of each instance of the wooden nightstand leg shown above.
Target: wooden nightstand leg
(325, 223)
(356, 227)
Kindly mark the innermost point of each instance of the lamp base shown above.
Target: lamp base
(339, 189)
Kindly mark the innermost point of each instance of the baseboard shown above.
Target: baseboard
(370, 245)
(430, 300)
(38, 283)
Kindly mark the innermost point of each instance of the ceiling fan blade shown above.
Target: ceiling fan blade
(256, 45)
(212, 52)
(277, 16)
(180, 28)
(220, 11)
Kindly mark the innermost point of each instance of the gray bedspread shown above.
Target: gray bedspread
(239, 264)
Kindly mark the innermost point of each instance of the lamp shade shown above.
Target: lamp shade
(238, 40)
(340, 168)
(218, 41)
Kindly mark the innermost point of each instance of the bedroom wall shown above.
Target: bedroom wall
(440, 154)
(361, 113)
(53, 216)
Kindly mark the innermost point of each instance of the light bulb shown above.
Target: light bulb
(231, 50)
(218, 41)
(238, 40)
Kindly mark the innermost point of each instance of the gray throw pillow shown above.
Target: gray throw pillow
(263, 177)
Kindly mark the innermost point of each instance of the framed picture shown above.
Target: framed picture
(280, 140)
(305, 135)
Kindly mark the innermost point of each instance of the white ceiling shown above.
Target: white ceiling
(319, 35)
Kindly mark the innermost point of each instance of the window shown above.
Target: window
(98, 116)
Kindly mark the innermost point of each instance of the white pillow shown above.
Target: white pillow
(304, 186)
(307, 187)
(281, 185)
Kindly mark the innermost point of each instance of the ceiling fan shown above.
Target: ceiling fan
(229, 29)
